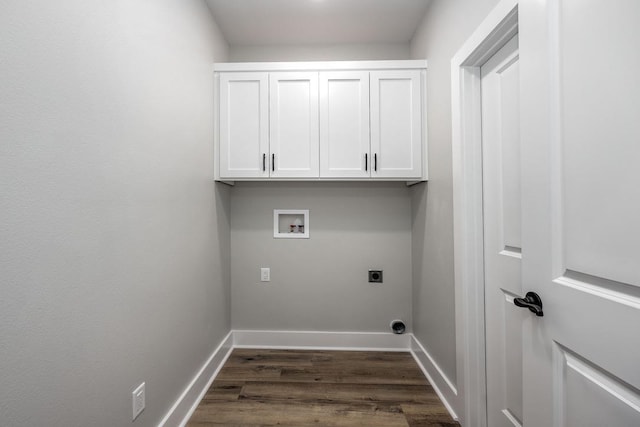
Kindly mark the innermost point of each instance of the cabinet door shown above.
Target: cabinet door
(344, 124)
(396, 126)
(244, 132)
(294, 130)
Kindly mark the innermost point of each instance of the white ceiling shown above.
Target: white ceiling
(292, 22)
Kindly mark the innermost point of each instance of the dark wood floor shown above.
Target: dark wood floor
(320, 388)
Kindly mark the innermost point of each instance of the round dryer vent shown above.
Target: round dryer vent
(398, 327)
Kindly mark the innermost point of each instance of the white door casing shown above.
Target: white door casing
(244, 125)
(344, 124)
(499, 26)
(581, 204)
(294, 124)
(500, 89)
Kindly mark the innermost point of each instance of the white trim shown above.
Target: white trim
(442, 385)
(497, 28)
(409, 181)
(190, 398)
(321, 340)
(321, 65)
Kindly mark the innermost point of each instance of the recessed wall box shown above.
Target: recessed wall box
(291, 223)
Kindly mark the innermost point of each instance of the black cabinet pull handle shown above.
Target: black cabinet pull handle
(375, 162)
(531, 301)
(264, 162)
(273, 162)
(366, 161)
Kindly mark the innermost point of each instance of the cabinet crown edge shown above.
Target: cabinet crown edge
(418, 64)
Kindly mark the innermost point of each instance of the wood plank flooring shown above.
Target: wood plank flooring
(320, 388)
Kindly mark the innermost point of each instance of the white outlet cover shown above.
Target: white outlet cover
(138, 400)
(265, 274)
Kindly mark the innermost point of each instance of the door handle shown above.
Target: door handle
(531, 301)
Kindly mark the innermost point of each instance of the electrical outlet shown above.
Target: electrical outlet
(375, 276)
(138, 401)
(265, 274)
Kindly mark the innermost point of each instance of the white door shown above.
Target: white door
(244, 125)
(580, 140)
(396, 124)
(294, 126)
(500, 85)
(344, 124)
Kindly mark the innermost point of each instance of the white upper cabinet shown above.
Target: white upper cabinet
(396, 124)
(244, 125)
(344, 124)
(321, 120)
(294, 124)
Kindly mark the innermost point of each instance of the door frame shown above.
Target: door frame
(500, 25)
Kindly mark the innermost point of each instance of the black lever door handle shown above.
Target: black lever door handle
(531, 301)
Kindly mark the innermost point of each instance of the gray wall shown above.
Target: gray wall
(447, 24)
(114, 240)
(320, 284)
(346, 52)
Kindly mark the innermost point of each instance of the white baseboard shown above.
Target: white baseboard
(188, 401)
(443, 386)
(312, 340)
